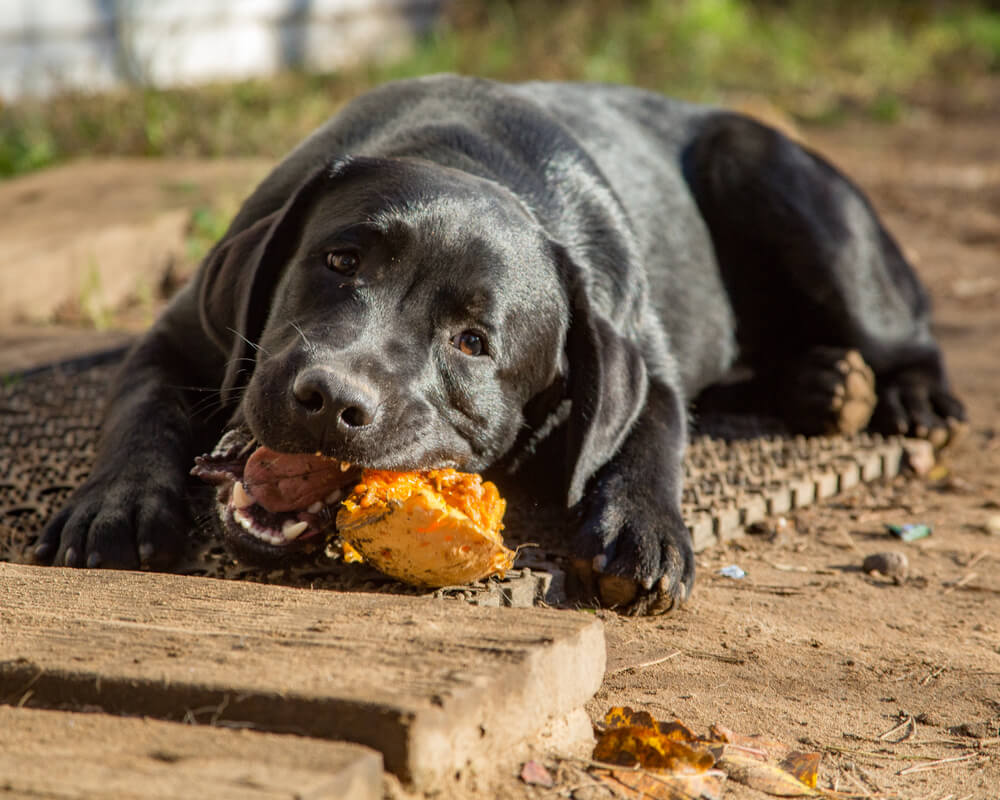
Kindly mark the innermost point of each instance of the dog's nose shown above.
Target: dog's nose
(333, 401)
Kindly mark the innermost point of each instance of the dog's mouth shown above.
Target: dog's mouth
(271, 504)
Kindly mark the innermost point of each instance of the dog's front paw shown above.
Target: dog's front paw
(633, 551)
(119, 522)
(917, 402)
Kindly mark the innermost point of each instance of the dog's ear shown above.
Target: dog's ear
(239, 275)
(226, 278)
(607, 382)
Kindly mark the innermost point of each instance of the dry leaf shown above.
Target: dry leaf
(643, 785)
(804, 766)
(764, 748)
(673, 769)
(780, 764)
(650, 749)
(626, 717)
(764, 776)
(677, 764)
(677, 730)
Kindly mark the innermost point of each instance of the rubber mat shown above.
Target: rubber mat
(739, 471)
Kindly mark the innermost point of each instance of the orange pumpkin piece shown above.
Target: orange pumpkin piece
(428, 528)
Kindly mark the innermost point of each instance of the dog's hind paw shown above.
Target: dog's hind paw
(830, 391)
(917, 402)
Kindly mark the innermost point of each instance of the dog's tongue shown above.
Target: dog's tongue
(292, 481)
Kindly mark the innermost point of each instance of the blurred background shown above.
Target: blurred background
(246, 79)
(240, 77)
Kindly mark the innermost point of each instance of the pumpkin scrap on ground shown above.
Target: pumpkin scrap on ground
(429, 528)
(665, 760)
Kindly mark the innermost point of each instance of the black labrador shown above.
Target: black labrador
(451, 270)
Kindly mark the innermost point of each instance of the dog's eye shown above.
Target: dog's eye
(469, 342)
(346, 262)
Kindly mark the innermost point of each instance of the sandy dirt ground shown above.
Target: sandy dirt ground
(810, 650)
(896, 684)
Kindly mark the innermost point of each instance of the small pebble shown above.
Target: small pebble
(993, 525)
(919, 455)
(535, 774)
(892, 565)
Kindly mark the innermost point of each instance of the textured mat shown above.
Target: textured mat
(739, 471)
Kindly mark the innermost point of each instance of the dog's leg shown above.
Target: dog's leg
(132, 511)
(633, 549)
(808, 265)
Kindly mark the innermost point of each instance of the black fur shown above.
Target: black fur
(617, 252)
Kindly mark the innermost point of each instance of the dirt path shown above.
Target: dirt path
(810, 650)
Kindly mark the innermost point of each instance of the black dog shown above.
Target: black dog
(451, 269)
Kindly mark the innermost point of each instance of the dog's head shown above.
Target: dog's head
(397, 314)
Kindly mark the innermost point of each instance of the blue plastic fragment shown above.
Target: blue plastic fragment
(910, 531)
(732, 571)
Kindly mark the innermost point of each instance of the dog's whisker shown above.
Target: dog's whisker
(214, 402)
(305, 339)
(245, 339)
(182, 387)
(237, 360)
(205, 406)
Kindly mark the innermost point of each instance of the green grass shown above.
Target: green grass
(91, 301)
(208, 224)
(819, 61)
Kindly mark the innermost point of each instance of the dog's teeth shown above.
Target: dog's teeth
(345, 465)
(332, 498)
(241, 497)
(293, 530)
(315, 508)
(245, 521)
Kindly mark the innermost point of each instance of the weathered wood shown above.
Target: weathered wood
(432, 684)
(27, 347)
(56, 754)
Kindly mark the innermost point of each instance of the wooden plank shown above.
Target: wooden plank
(26, 347)
(55, 754)
(432, 684)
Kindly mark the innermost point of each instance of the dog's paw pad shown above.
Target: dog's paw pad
(856, 394)
(627, 595)
(656, 601)
(832, 391)
(617, 591)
